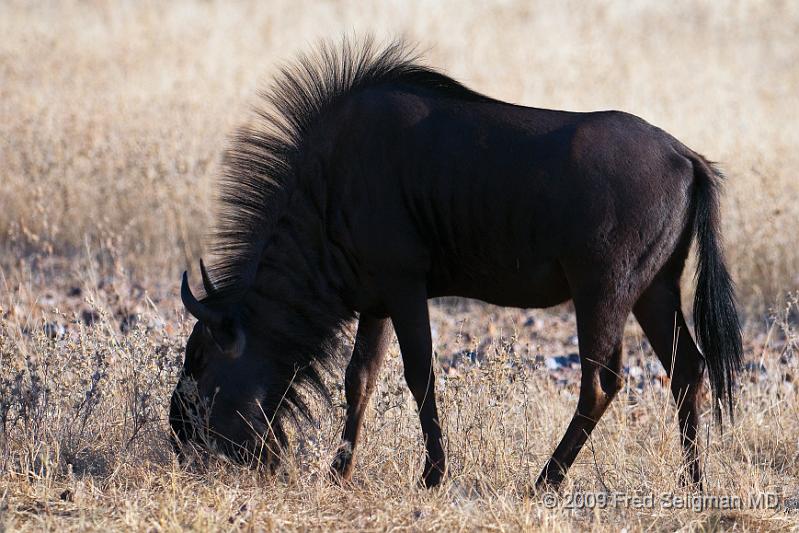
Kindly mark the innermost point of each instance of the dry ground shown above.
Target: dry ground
(113, 116)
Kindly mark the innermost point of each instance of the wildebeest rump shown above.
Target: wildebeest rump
(372, 183)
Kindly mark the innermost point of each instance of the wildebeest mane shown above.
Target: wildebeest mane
(260, 172)
(260, 166)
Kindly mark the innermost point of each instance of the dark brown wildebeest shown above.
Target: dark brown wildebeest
(374, 183)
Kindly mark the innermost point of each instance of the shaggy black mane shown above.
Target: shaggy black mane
(259, 175)
(259, 167)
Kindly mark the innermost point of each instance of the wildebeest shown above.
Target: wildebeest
(372, 183)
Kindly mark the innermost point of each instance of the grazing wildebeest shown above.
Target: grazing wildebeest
(373, 183)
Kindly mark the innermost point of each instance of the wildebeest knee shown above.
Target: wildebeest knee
(688, 373)
(356, 382)
(610, 381)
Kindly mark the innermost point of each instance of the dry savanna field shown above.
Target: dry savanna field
(113, 119)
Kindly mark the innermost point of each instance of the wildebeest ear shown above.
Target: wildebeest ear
(229, 338)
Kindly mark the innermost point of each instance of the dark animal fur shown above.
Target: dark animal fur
(261, 166)
(370, 177)
(715, 316)
(260, 174)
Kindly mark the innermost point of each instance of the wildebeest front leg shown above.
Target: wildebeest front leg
(371, 342)
(411, 320)
(600, 335)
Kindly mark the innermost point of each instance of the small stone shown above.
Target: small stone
(751, 366)
(89, 317)
(128, 322)
(54, 330)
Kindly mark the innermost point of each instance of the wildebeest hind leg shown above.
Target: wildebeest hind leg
(371, 343)
(600, 327)
(658, 311)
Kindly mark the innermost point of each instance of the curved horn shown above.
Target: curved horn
(198, 310)
(209, 286)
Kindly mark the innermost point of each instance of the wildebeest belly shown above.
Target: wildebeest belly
(542, 284)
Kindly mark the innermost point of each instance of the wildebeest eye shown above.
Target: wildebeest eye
(217, 339)
(228, 338)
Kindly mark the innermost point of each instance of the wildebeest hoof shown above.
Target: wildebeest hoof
(542, 488)
(689, 484)
(431, 476)
(341, 468)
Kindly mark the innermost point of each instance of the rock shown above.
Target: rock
(635, 372)
(551, 363)
(753, 367)
(791, 503)
(654, 368)
(563, 361)
(157, 323)
(485, 347)
(89, 317)
(128, 322)
(54, 330)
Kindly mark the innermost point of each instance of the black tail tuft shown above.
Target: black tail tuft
(718, 330)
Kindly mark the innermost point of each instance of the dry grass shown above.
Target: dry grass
(112, 120)
(84, 445)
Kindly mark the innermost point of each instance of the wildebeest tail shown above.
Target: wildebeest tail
(716, 323)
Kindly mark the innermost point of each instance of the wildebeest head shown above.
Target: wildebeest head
(221, 402)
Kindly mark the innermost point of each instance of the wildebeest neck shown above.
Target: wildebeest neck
(293, 311)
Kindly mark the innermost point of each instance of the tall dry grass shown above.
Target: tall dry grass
(113, 116)
(83, 444)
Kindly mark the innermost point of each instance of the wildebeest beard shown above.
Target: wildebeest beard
(293, 345)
